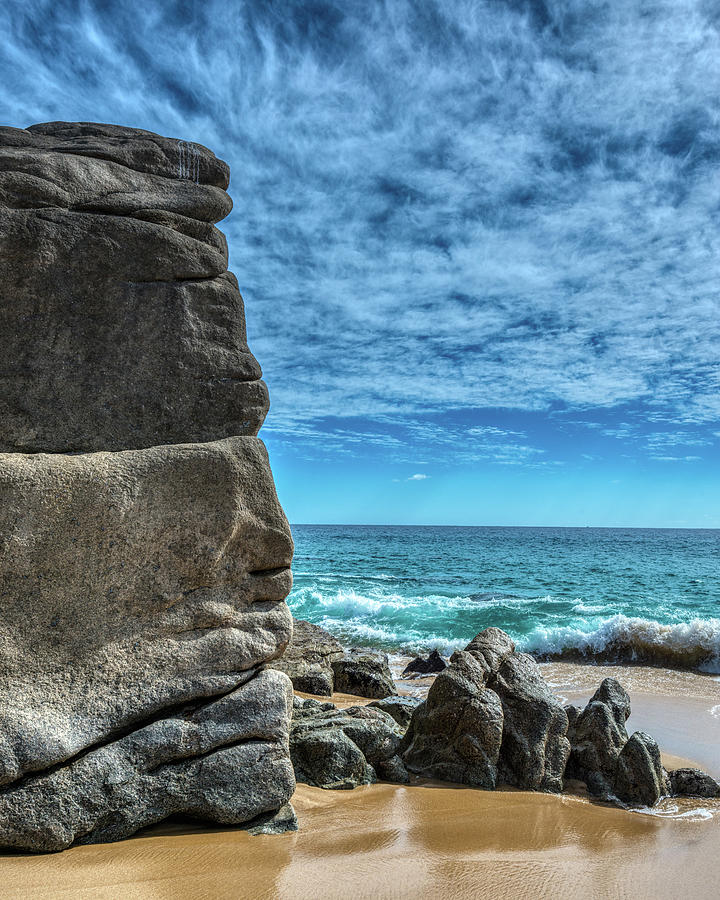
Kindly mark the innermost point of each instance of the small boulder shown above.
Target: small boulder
(342, 748)
(425, 665)
(400, 708)
(308, 657)
(597, 734)
(639, 775)
(364, 673)
(455, 735)
(692, 783)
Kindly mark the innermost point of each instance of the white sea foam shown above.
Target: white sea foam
(694, 644)
(715, 711)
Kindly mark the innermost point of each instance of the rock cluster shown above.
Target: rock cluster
(489, 717)
(145, 557)
(308, 659)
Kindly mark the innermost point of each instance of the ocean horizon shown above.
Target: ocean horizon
(587, 593)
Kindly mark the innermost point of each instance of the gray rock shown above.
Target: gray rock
(400, 708)
(455, 735)
(692, 783)
(224, 760)
(341, 749)
(364, 673)
(639, 776)
(597, 735)
(308, 657)
(141, 339)
(425, 665)
(535, 747)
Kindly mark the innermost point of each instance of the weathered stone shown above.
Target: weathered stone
(535, 747)
(639, 776)
(120, 326)
(307, 658)
(225, 760)
(425, 665)
(455, 735)
(400, 708)
(597, 735)
(364, 673)
(692, 783)
(340, 749)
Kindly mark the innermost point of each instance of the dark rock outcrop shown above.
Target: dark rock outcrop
(400, 708)
(308, 658)
(142, 581)
(428, 665)
(597, 734)
(364, 673)
(342, 748)
(488, 717)
(692, 783)
(639, 776)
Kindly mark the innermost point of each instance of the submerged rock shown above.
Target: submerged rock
(343, 748)
(692, 783)
(364, 673)
(307, 659)
(425, 665)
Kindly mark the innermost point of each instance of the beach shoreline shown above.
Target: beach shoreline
(388, 840)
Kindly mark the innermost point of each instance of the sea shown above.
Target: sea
(621, 595)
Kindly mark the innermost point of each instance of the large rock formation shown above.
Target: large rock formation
(142, 585)
(308, 658)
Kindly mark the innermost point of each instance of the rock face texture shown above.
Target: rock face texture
(489, 717)
(364, 673)
(339, 749)
(120, 326)
(308, 658)
(142, 580)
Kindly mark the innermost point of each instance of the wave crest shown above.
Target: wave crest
(622, 639)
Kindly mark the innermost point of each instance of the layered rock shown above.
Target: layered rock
(489, 717)
(364, 673)
(142, 581)
(308, 658)
(340, 749)
(120, 326)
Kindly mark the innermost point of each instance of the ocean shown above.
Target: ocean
(605, 594)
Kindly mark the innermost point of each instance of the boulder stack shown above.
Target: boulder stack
(145, 557)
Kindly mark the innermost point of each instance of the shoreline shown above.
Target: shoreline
(388, 840)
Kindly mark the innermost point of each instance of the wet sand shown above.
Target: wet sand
(433, 840)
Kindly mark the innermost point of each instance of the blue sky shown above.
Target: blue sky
(478, 242)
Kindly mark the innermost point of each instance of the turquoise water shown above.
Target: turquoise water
(648, 595)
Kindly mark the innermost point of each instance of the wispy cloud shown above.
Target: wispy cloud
(438, 206)
(420, 476)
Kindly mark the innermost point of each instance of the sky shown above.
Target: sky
(478, 242)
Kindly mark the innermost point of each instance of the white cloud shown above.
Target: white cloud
(420, 476)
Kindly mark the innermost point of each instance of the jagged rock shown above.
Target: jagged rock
(692, 783)
(455, 735)
(400, 708)
(120, 327)
(597, 735)
(225, 760)
(425, 665)
(535, 748)
(339, 749)
(364, 673)
(639, 776)
(488, 717)
(307, 658)
(141, 590)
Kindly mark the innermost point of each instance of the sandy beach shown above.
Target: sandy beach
(430, 839)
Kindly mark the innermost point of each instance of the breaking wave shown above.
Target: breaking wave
(622, 639)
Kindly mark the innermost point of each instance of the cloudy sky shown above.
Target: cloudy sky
(478, 241)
